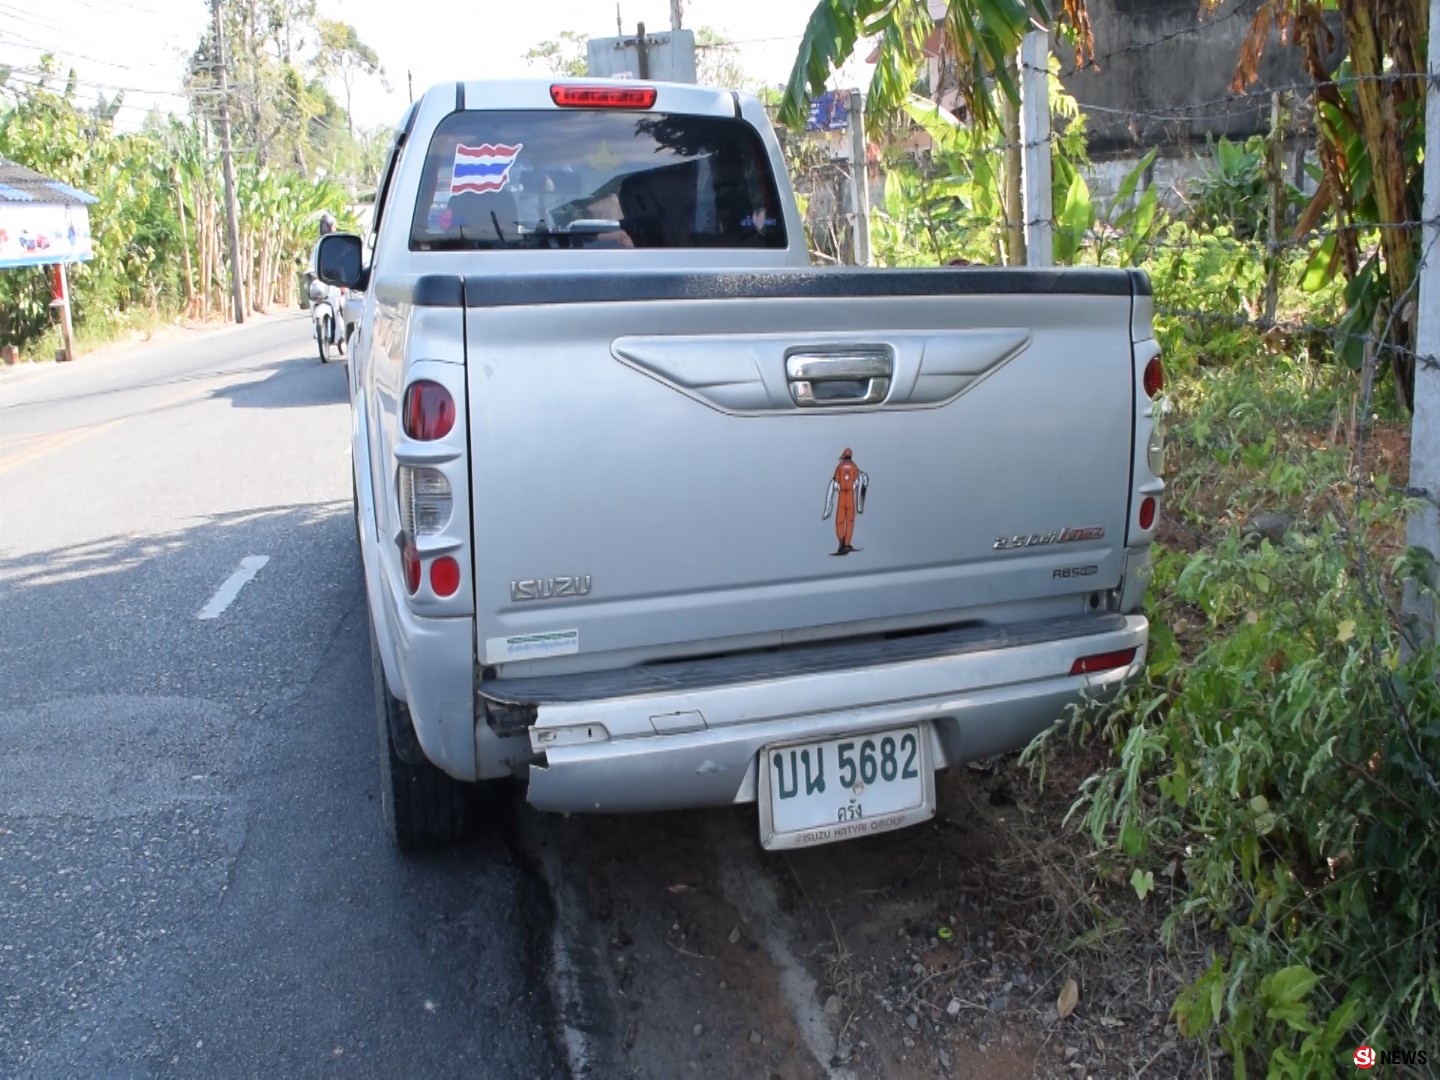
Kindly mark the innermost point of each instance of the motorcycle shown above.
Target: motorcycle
(325, 313)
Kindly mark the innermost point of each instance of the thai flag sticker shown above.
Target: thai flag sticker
(483, 168)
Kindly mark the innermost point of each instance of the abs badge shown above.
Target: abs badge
(484, 168)
(845, 497)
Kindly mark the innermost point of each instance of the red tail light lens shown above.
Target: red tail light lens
(429, 411)
(1108, 661)
(1154, 377)
(411, 559)
(603, 97)
(445, 576)
(1147, 512)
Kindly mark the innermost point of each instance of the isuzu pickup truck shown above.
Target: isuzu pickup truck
(654, 515)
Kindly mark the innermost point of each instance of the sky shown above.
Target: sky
(140, 45)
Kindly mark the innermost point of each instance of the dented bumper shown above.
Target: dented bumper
(690, 735)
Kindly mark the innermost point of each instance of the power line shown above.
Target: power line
(36, 73)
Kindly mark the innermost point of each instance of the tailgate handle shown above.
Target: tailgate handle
(856, 377)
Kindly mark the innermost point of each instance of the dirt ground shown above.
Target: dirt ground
(937, 951)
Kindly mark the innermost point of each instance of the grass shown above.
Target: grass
(98, 335)
(1268, 790)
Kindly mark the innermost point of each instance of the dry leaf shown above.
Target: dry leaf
(1069, 998)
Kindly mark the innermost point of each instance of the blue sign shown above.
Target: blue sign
(829, 112)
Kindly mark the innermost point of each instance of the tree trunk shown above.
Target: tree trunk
(1014, 200)
(203, 231)
(1381, 129)
(248, 278)
(184, 245)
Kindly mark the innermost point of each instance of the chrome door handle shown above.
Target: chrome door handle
(856, 377)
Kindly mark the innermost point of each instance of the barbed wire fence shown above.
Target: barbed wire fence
(1238, 187)
(1263, 190)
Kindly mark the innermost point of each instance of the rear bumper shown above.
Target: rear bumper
(994, 691)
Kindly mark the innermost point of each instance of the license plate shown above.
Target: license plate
(858, 785)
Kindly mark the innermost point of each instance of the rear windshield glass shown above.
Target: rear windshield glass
(593, 179)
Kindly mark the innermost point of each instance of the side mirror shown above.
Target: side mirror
(340, 261)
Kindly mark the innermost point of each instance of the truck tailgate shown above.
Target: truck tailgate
(671, 464)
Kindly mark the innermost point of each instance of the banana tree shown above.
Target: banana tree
(1371, 134)
(979, 38)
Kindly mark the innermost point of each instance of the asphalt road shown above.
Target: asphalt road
(194, 875)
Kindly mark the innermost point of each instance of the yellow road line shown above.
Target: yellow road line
(47, 444)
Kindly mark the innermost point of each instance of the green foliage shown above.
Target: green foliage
(280, 59)
(1277, 764)
(982, 37)
(343, 53)
(1116, 231)
(133, 227)
(1355, 259)
(953, 207)
(1234, 191)
(146, 265)
(1273, 783)
(564, 55)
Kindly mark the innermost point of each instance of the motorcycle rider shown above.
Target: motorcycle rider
(336, 297)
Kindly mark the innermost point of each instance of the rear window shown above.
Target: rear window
(595, 179)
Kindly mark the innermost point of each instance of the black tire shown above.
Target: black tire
(322, 335)
(424, 808)
(355, 517)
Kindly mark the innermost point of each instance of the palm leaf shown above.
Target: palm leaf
(980, 36)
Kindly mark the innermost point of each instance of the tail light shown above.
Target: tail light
(445, 576)
(1155, 449)
(1148, 453)
(1154, 377)
(603, 97)
(1147, 512)
(429, 411)
(1109, 661)
(1154, 382)
(425, 500)
(431, 491)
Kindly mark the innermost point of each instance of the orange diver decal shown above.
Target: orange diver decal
(845, 497)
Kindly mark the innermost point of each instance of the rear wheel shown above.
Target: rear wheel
(322, 335)
(424, 807)
(355, 518)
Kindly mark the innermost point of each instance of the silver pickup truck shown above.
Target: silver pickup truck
(654, 515)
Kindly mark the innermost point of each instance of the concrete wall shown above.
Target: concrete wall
(1164, 74)
(1171, 175)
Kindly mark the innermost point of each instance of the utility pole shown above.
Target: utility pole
(410, 84)
(1038, 202)
(1424, 525)
(232, 226)
(619, 26)
(860, 178)
(676, 13)
(644, 58)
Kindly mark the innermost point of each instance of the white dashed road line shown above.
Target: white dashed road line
(226, 594)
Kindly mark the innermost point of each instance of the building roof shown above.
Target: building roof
(21, 185)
